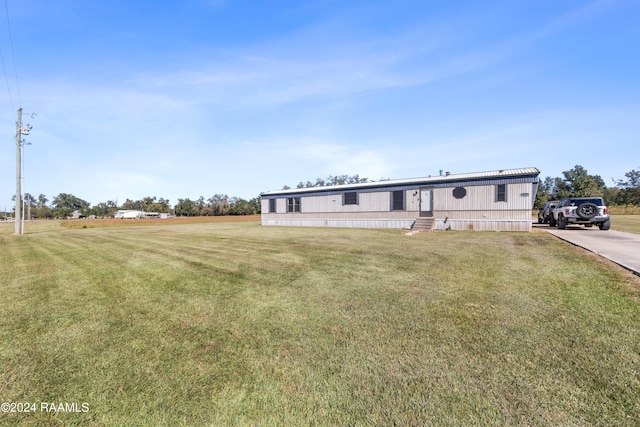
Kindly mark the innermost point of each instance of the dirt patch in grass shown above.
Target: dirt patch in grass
(110, 222)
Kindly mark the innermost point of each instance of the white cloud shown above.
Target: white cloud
(314, 103)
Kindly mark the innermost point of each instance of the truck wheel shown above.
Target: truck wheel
(605, 225)
(552, 221)
(562, 222)
(587, 210)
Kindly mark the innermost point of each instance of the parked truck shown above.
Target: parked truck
(585, 211)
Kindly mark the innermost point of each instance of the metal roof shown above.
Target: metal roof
(502, 173)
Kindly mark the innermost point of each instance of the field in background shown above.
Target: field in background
(7, 227)
(91, 223)
(234, 323)
(624, 210)
(627, 223)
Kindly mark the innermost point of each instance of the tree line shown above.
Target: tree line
(64, 205)
(577, 182)
(332, 180)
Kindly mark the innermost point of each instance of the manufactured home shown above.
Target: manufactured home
(499, 200)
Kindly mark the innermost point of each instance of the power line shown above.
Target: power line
(4, 67)
(13, 56)
(6, 78)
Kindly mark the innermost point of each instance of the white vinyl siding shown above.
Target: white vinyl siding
(483, 198)
(367, 202)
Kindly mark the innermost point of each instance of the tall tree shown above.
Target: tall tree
(218, 204)
(578, 183)
(39, 207)
(132, 205)
(185, 207)
(331, 180)
(630, 192)
(64, 204)
(545, 191)
(148, 204)
(42, 201)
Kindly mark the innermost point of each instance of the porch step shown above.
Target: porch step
(423, 224)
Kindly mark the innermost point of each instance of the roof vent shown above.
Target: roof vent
(447, 173)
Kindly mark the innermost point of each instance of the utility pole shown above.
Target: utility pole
(20, 130)
(17, 216)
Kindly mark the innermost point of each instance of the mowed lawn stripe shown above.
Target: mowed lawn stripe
(234, 323)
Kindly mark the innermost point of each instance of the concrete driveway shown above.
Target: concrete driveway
(621, 248)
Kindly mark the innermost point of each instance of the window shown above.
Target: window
(459, 192)
(350, 198)
(272, 205)
(397, 200)
(501, 193)
(293, 204)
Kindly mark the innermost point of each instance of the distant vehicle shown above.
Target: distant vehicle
(129, 214)
(581, 210)
(546, 212)
(135, 214)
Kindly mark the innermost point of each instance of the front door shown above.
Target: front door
(426, 202)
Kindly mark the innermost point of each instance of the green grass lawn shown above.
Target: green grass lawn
(238, 324)
(628, 223)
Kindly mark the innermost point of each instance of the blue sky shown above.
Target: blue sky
(190, 98)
